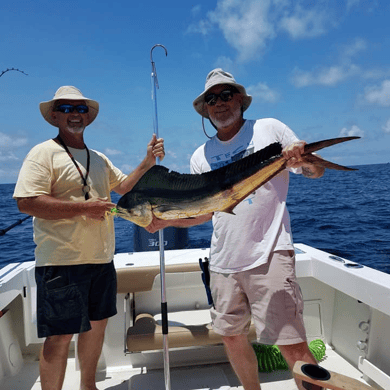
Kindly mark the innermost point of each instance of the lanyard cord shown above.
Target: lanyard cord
(86, 187)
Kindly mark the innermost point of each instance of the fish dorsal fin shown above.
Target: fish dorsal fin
(248, 165)
(159, 178)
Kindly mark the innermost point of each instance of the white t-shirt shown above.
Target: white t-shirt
(261, 223)
(48, 170)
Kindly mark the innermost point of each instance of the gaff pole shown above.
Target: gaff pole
(164, 307)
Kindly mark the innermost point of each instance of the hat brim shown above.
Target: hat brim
(46, 108)
(200, 105)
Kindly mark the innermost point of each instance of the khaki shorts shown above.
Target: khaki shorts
(269, 294)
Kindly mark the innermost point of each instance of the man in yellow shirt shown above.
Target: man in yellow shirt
(66, 187)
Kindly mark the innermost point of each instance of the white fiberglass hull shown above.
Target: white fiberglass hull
(345, 306)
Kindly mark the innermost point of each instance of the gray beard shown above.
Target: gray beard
(227, 122)
(75, 130)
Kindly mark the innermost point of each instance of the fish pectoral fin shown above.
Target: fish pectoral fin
(315, 160)
(165, 208)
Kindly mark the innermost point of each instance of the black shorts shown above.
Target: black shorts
(69, 297)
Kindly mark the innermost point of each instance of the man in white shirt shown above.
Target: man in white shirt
(252, 262)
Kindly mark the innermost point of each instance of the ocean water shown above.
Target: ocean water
(343, 213)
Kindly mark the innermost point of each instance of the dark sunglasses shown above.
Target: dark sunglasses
(67, 108)
(226, 96)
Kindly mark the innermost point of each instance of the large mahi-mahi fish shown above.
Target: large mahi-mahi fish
(172, 195)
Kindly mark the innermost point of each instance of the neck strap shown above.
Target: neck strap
(86, 187)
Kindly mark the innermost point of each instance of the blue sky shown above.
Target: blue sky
(321, 67)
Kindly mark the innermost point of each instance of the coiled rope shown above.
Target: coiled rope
(270, 358)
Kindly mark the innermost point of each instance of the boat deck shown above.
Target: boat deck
(345, 305)
(207, 377)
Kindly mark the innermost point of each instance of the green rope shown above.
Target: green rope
(270, 358)
(317, 348)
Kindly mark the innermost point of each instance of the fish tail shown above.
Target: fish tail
(318, 161)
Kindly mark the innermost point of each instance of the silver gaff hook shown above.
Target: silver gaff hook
(154, 72)
(164, 308)
(155, 86)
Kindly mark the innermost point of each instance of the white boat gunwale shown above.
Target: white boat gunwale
(364, 292)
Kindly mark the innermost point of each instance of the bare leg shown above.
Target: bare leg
(243, 360)
(52, 362)
(89, 349)
(295, 352)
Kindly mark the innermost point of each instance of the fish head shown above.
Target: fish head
(139, 212)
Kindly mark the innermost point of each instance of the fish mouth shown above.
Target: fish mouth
(140, 214)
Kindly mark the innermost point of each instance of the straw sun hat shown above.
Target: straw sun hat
(217, 77)
(68, 93)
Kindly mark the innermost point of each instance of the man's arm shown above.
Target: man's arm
(154, 149)
(293, 153)
(47, 207)
(158, 224)
(312, 171)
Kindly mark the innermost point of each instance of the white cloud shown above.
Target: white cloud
(344, 69)
(376, 73)
(225, 63)
(306, 23)
(7, 156)
(171, 154)
(330, 76)
(379, 95)
(196, 10)
(112, 152)
(125, 168)
(11, 142)
(203, 27)
(349, 51)
(9, 175)
(335, 74)
(354, 131)
(250, 25)
(244, 24)
(352, 3)
(262, 92)
(386, 127)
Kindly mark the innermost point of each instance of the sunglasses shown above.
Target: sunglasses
(226, 96)
(68, 108)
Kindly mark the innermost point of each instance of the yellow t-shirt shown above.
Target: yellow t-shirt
(48, 170)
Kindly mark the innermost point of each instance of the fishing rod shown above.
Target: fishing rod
(164, 307)
(18, 222)
(17, 70)
(3, 231)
